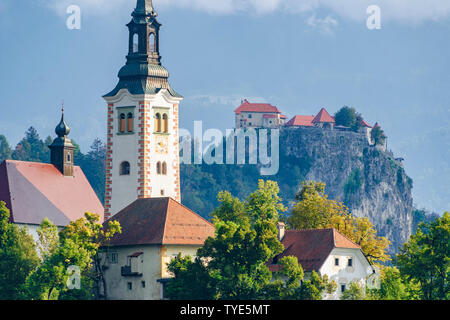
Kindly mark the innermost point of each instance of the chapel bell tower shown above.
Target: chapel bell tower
(142, 148)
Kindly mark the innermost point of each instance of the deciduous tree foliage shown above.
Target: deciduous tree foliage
(233, 264)
(425, 259)
(79, 243)
(378, 136)
(315, 211)
(18, 256)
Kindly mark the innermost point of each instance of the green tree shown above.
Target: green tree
(79, 244)
(354, 292)
(31, 148)
(5, 149)
(392, 286)
(233, 264)
(18, 256)
(93, 165)
(315, 211)
(48, 239)
(378, 136)
(313, 288)
(346, 117)
(425, 259)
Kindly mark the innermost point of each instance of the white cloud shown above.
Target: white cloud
(405, 11)
(325, 25)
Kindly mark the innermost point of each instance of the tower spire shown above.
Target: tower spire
(144, 7)
(62, 149)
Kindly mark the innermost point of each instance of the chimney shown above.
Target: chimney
(281, 230)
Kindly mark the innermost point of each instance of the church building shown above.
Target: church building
(58, 191)
(143, 171)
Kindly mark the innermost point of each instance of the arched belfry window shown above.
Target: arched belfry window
(158, 168)
(135, 43)
(164, 168)
(165, 123)
(158, 122)
(151, 43)
(125, 168)
(130, 122)
(122, 122)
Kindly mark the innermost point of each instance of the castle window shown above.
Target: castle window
(336, 261)
(165, 123)
(151, 43)
(130, 122)
(158, 168)
(162, 192)
(125, 168)
(68, 157)
(342, 287)
(135, 43)
(122, 123)
(350, 262)
(158, 122)
(130, 286)
(164, 168)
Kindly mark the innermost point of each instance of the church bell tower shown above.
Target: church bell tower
(61, 150)
(142, 146)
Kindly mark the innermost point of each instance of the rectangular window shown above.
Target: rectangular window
(350, 262)
(130, 286)
(342, 287)
(143, 284)
(113, 257)
(336, 261)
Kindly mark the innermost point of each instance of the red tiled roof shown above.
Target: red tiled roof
(160, 221)
(364, 123)
(283, 116)
(256, 107)
(312, 247)
(323, 117)
(34, 191)
(301, 121)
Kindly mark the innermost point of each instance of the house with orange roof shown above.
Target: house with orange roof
(58, 191)
(327, 252)
(154, 231)
(258, 115)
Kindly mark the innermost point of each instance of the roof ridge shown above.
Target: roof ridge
(196, 214)
(166, 213)
(335, 231)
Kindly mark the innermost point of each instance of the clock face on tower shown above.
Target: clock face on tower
(162, 143)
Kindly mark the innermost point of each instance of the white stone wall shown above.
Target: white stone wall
(343, 274)
(141, 151)
(154, 267)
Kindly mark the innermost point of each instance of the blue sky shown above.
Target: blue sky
(299, 55)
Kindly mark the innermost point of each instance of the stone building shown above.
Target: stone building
(258, 115)
(58, 191)
(327, 252)
(143, 171)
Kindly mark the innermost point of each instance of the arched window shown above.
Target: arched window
(68, 157)
(151, 43)
(165, 123)
(158, 168)
(164, 168)
(122, 122)
(125, 168)
(130, 122)
(158, 122)
(135, 43)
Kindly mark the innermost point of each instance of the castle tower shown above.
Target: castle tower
(142, 148)
(61, 150)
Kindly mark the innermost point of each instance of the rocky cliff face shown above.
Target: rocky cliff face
(367, 179)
